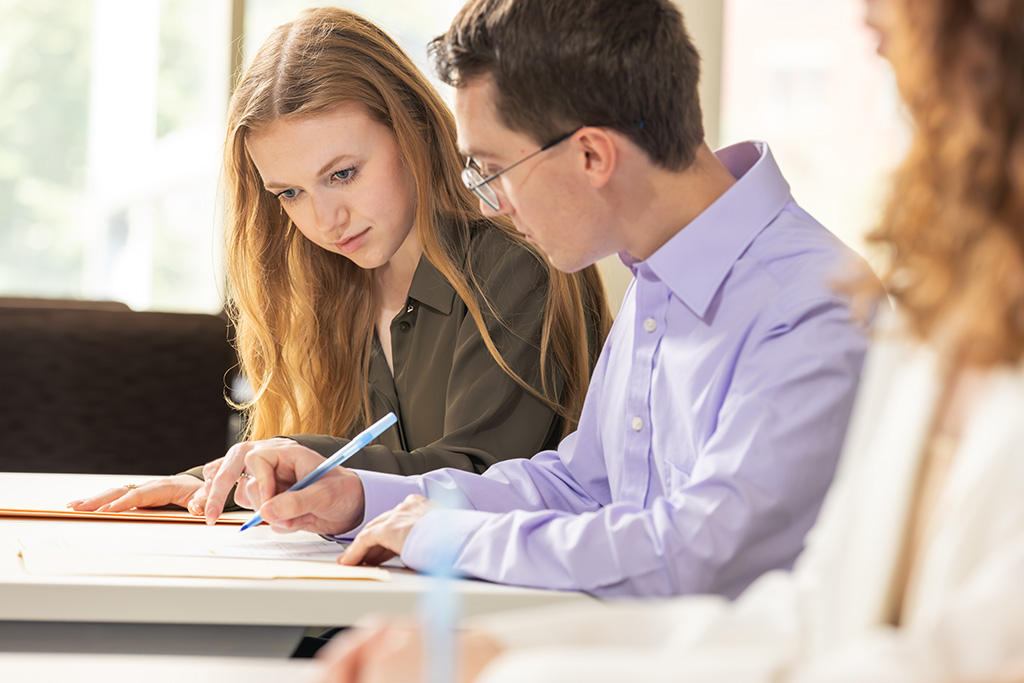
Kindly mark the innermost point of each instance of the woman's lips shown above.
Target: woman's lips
(353, 243)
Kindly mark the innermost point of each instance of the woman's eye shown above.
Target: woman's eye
(287, 194)
(344, 175)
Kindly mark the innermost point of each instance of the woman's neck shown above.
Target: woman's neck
(393, 279)
(392, 282)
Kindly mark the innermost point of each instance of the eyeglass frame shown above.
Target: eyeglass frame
(479, 187)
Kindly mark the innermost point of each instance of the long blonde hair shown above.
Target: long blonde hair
(303, 315)
(954, 227)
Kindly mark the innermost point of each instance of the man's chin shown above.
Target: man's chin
(567, 265)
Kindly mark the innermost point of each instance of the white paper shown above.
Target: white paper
(263, 549)
(98, 555)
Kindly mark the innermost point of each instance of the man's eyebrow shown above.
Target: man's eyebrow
(476, 154)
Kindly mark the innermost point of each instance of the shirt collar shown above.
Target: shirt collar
(696, 260)
(431, 288)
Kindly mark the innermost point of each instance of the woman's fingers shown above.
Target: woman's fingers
(176, 490)
(221, 475)
(93, 502)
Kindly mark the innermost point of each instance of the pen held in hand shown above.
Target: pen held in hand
(361, 441)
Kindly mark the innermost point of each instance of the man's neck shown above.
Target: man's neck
(659, 203)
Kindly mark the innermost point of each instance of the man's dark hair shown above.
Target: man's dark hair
(559, 64)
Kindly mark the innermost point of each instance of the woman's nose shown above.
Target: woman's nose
(330, 216)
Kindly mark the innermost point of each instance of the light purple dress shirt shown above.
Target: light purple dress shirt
(711, 429)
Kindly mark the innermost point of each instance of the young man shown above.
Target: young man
(717, 410)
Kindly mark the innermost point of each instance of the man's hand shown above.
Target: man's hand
(333, 505)
(393, 653)
(384, 537)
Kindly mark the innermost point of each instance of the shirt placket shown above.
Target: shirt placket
(647, 331)
(401, 336)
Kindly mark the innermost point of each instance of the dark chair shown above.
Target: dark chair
(81, 304)
(107, 390)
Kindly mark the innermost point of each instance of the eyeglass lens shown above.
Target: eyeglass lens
(475, 182)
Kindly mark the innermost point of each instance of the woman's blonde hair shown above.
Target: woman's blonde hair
(954, 227)
(304, 317)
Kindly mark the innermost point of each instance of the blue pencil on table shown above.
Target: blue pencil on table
(361, 441)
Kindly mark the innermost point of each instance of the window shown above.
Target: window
(803, 76)
(111, 131)
(108, 182)
(111, 127)
(412, 23)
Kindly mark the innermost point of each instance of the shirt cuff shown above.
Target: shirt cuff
(381, 492)
(435, 541)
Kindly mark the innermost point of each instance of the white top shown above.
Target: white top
(963, 614)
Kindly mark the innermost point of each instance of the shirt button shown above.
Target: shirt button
(404, 326)
(637, 424)
(650, 325)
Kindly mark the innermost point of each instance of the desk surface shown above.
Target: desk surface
(150, 600)
(60, 668)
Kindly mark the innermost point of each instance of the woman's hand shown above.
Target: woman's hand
(182, 490)
(264, 470)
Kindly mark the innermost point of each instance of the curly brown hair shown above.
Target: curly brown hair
(954, 226)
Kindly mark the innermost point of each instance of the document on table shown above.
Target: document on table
(136, 515)
(35, 495)
(145, 556)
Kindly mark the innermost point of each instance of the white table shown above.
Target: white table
(193, 616)
(100, 668)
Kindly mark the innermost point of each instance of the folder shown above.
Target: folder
(25, 494)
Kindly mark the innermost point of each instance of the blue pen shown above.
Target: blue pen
(361, 441)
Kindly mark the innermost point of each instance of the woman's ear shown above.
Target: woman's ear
(599, 154)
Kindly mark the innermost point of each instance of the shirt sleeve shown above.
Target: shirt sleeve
(488, 416)
(571, 479)
(743, 509)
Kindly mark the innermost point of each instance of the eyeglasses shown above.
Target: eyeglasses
(478, 184)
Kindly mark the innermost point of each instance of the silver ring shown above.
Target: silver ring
(246, 475)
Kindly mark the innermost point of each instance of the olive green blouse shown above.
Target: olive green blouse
(456, 407)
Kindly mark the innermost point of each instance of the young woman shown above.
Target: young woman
(914, 570)
(363, 278)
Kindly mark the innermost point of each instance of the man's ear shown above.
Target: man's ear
(600, 154)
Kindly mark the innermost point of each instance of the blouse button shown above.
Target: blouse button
(650, 325)
(403, 326)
